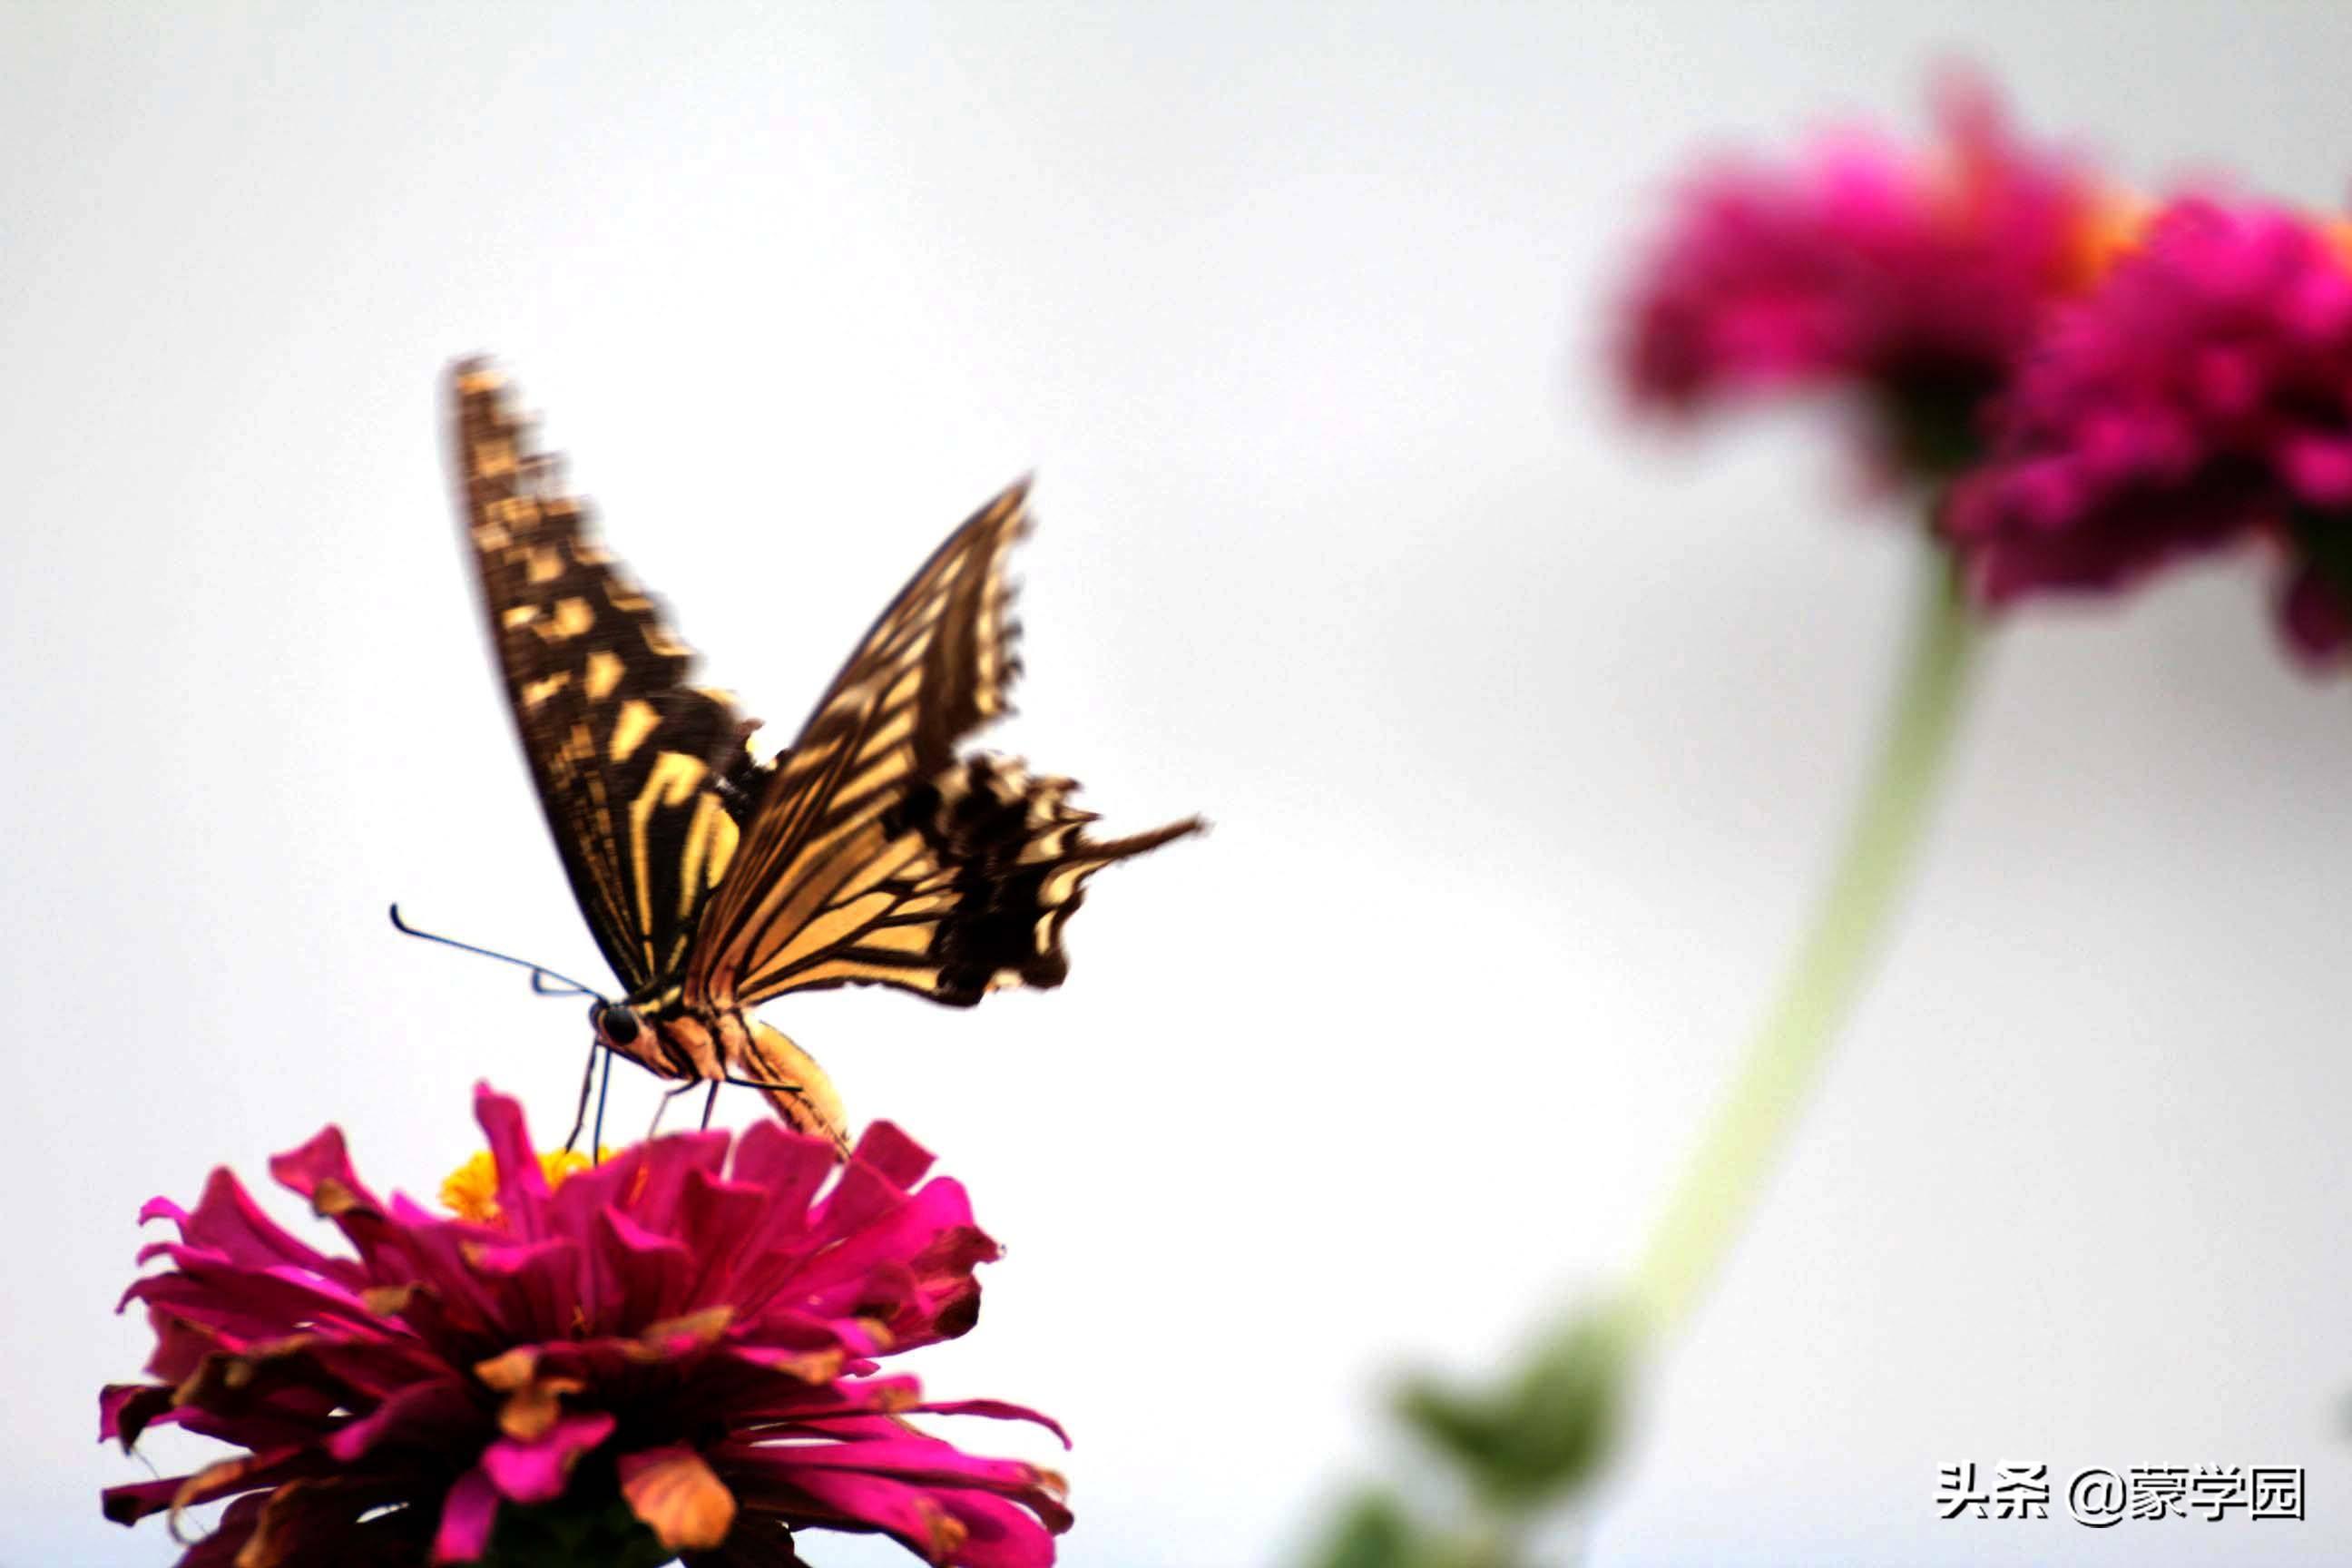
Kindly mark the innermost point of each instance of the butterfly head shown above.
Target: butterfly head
(617, 1026)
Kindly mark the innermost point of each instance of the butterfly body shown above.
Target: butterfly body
(671, 1039)
(868, 852)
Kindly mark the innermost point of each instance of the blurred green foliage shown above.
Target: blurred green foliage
(1523, 1447)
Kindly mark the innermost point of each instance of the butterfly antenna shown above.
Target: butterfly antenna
(539, 972)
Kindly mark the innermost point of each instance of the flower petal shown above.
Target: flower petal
(2201, 398)
(2318, 469)
(522, 1184)
(468, 1515)
(724, 1303)
(886, 1148)
(322, 1172)
(125, 1410)
(537, 1470)
(995, 1410)
(677, 1496)
(427, 1416)
(227, 1221)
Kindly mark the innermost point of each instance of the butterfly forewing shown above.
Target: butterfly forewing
(639, 774)
(935, 665)
(875, 856)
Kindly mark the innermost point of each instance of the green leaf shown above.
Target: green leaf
(1544, 1434)
(1374, 1532)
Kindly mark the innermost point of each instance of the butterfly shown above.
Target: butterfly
(868, 852)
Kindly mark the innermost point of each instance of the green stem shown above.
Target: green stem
(1724, 1181)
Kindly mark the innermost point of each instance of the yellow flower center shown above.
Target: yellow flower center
(2111, 228)
(2338, 231)
(471, 1191)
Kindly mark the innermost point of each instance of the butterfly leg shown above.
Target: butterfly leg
(587, 1080)
(760, 1083)
(791, 1089)
(668, 1095)
(603, 1092)
(710, 1104)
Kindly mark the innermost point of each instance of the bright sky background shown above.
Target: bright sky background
(1526, 733)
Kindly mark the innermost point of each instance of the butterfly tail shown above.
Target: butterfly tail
(1019, 856)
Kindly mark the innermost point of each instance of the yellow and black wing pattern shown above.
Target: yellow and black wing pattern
(640, 774)
(868, 852)
(876, 855)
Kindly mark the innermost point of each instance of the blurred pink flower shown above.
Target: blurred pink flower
(1913, 279)
(2201, 396)
(689, 1330)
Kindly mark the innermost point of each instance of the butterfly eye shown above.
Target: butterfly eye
(615, 1026)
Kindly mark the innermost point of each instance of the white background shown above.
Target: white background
(1525, 732)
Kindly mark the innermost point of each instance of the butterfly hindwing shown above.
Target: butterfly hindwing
(640, 774)
(960, 888)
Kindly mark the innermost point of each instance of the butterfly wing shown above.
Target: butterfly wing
(875, 856)
(639, 774)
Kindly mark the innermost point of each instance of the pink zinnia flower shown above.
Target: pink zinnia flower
(1915, 280)
(2204, 395)
(686, 1334)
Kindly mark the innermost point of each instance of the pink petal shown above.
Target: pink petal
(468, 1515)
(535, 1284)
(652, 1198)
(888, 1150)
(536, 1471)
(789, 1166)
(227, 1221)
(2228, 380)
(162, 1208)
(422, 1415)
(1002, 1534)
(125, 1410)
(995, 1410)
(522, 1186)
(907, 1456)
(322, 1172)
(649, 1272)
(938, 1526)
(2318, 303)
(909, 1513)
(2319, 468)
(246, 1305)
(722, 1227)
(135, 1501)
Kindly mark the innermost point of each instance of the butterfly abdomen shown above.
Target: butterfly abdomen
(793, 1083)
(723, 1044)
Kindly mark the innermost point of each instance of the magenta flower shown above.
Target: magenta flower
(684, 1337)
(2202, 396)
(1913, 280)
